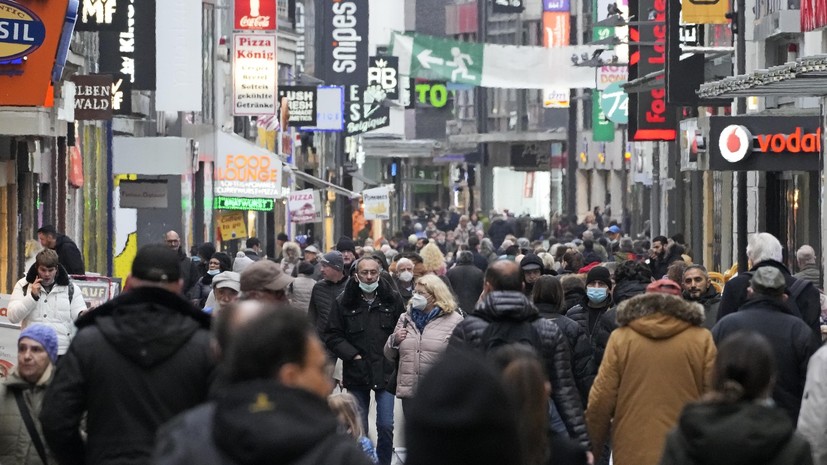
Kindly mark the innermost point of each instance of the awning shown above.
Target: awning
(321, 183)
(805, 77)
(510, 136)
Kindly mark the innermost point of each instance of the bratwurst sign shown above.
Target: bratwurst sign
(239, 175)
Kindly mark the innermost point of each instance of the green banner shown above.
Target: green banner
(602, 129)
(439, 57)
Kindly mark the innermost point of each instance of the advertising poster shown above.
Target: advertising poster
(377, 203)
(305, 206)
(255, 15)
(232, 226)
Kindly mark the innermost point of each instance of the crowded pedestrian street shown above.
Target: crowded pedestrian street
(413, 232)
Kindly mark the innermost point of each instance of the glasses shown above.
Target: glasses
(368, 273)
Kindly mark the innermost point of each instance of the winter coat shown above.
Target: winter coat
(656, 361)
(404, 292)
(711, 300)
(16, 446)
(808, 302)
(513, 305)
(595, 331)
(301, 292)
(294, 425)
(582, 354)
(467, 281)
(189, 272)
(200, 292)
(810, 273)
(625, 290)
(136, 362)
(69, 255)
(498, 230)
(790, 339)
(356, 327)
(745, 433)
(812, 422)
(480, 261)
(53, 309)
(252, 255)
(322, 297)
(419, 351)
(574, 297)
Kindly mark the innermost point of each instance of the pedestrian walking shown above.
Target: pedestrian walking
(67, 251)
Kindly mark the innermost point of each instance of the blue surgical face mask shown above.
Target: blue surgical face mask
(597, 295)
(213, 272)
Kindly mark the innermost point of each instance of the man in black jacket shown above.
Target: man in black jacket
(466, 280)
(189, 270)
(697, 288)
(136, 361)
(360, 323)
(67, 251)
(503, 300)
(766, 312)
(325, 291)
(764, 250)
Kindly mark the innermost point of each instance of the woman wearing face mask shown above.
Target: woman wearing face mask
(219, 262)
(598, 300)
(421, 334)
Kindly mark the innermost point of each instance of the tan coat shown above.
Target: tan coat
(419, 352)
(655, 362)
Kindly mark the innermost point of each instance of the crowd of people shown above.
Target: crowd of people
(506, 342)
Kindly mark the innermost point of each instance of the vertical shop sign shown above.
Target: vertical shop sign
(603, 130)
(102, 15)
(254, 75)
(93, 97)
(131, 50)
(344, 44)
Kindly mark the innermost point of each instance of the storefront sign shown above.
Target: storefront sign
(32, 48)
(366, 111)
(93, 97)
(765, 143)
(243, 203)
(121, 95)
(238, 175)
(556, 98)
(710, 11)
(254, 74)
(434, 94)
(603, 130)
(330, 116)
(255, 15)
(383, 72)
(377, 203)
(302, 104)
(305, 206)
(344, 45)
(508, 6)
(102, 15)
(143, 194)
(131, 50)
(614, 102)
(606, 75)
(556, 5)
(232, 226)
(649, 117)
(684, 71)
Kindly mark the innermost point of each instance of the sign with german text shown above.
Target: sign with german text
(131, 50)
(102, 15)
(93, 97)
(302, 103)
(242, 175)
(232, 226)
(305, 206)
(255, 15)
(764, 143)
(243, 203)
(255, 75)
(377, 203)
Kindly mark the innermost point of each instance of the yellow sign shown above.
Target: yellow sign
(232, 226)
(704, 11)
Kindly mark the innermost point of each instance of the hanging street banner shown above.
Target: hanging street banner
(487, 65)
(305, 206)
(254, 75)
(377, 203)
(131, 49)
(302, 101)
(556, 32)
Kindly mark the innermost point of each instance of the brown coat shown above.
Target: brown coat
(419, 352)
(656, 361)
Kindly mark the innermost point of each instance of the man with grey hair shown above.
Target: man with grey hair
(466, 281)
(808, 265)
(764, 250)
(598, 248)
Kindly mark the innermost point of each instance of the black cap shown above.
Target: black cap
(306, 268)
(531, 262)
(600, 274)
(345, 243)
(157, 263)
(282, 237)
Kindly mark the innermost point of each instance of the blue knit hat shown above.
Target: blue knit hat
(45, 335)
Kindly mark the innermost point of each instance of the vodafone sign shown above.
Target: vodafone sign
(763, 143)
(255, 15)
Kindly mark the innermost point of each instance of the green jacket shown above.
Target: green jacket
(16, 446)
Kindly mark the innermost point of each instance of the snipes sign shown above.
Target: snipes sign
(765, 143)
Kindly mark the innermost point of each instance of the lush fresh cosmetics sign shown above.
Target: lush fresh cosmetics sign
(302, 103)
(255, 80)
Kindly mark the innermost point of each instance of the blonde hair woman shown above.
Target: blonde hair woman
(432, 259)
(421, 334)
(346, 409)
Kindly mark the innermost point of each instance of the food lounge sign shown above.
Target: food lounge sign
(765, 143)
(240, 175)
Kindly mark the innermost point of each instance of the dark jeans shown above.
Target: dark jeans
(384, 420)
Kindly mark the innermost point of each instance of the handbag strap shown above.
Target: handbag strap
(27, 419)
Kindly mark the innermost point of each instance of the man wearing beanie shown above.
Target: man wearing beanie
(531, 268)
(137, 361)
(598, 300)
(348, 250)
(767, 312)
(24, 388)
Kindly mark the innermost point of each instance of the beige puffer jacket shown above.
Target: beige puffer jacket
(419, 351)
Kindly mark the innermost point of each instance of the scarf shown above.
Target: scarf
(421, 318)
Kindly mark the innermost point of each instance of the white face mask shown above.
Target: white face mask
(406, 276)
(418, 302)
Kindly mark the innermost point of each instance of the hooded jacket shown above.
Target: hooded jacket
(513, 305)
(322, 297)
(791, 341)
(596, 331)
(137, 361)
(582, 354)
(292, 425)
(54, 309)
(69, 255)
(656, 361)
(16, 446)
(735, 434)
(356, 327)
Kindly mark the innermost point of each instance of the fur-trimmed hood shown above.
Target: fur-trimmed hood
(659, 316)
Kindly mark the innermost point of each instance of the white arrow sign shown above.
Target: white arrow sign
(425, 59)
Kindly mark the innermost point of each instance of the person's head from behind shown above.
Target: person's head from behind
(549, 290)
(36, 351)
(762, 247)
(253, 244)
(264, 280)
(744, 368)
(229, 320)
(503, 275)
(767, 282)
(156, 265)
(346, 409)
(47, 235)
(572, 261)
(279, 344)
(805, 256)
(47, 265)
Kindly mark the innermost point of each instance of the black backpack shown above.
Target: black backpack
(504, 332)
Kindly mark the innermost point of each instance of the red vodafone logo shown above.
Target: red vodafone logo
(735, 143)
